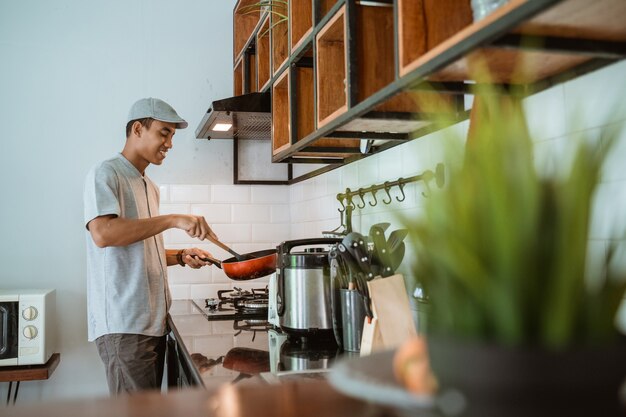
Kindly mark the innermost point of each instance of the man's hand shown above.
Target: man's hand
(192, 257)
(195, 226)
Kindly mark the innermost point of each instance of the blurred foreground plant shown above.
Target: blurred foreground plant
(501, 252)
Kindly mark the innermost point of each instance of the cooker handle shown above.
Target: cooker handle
(285, 247)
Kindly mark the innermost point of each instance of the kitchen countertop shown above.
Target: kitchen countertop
(205, 342)
(223, 351)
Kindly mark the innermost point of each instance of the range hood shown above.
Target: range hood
(248, 116)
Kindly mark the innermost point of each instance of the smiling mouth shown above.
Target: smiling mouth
(163, 153)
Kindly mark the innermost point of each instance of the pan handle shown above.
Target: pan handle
(213, 261)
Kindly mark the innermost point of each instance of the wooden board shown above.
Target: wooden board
(243, 25)
(300, 21)
(280, 47)
(581, 19)
(263, 53)
(331, 69)
(424, 24)
(238, 79)
(280, 113)
(30, 372)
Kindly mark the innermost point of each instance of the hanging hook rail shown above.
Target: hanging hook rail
(427, 176)
(348, 205)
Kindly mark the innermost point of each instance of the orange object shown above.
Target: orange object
(412, 369)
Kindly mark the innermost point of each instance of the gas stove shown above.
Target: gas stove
(237, 304)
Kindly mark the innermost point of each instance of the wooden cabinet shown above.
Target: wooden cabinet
(341, 71)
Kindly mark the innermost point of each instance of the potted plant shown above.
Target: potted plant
(516, 327)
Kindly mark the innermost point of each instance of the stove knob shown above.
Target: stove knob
(30, 313)
(30, 332)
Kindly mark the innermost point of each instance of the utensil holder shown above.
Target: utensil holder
(352, 319)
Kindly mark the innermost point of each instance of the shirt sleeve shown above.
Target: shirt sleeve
(101, 193)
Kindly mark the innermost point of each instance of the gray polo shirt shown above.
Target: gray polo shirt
(127, 289)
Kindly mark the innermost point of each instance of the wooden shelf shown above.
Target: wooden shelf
(330, 60)
(324, 7)
(244, 24)
(279, 33)
(30, 372)
(263, 53)
(280, 113)
(251, 71)
(564, 39)
(238, 80)
(301, 94)
(373, 65)
(425, 24)
(300, 21)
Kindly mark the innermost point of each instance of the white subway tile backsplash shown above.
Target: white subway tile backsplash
(597, 98)
(179, 291)
(333, 182)
(319, 187)
(186, 275)
(368, 172)
(232, 232)
(545, 114)
(179, 237)
(276, 232)
(296, 193)
(219, 277)
(164, 193)
(280, 213)
(213, 213)
(254, 213)
(174, 208)
(608, 220)
(390, 164)
(190, 194)
(614, 167)
(270, 194)
(201, 291)
(350, 176)
(230, 193)
(298, 211)
(253, 247)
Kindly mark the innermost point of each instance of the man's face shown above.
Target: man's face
(156, 141)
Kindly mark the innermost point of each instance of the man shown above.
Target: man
(127, 290)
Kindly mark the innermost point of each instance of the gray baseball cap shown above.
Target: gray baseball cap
(155, 109)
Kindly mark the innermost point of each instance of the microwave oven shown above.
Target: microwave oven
(27, 326)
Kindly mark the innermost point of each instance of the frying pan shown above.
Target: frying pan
(256, 264)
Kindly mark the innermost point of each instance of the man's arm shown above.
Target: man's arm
(117, 231)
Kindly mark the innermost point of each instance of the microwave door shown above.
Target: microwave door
(8, 330)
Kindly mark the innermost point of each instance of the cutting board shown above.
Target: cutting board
(393, 321)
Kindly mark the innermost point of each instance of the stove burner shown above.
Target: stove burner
(238, 302)
(240, 294)
(253, 325)
(257, 304)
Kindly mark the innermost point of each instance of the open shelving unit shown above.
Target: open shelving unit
(345, 71)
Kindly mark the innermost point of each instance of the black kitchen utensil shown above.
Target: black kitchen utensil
(356, 245)
(395, 238)
(381, 255)
(397, 256)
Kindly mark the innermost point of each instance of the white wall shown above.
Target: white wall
(70, 71)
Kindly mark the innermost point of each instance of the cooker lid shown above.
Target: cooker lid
(309, 258)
